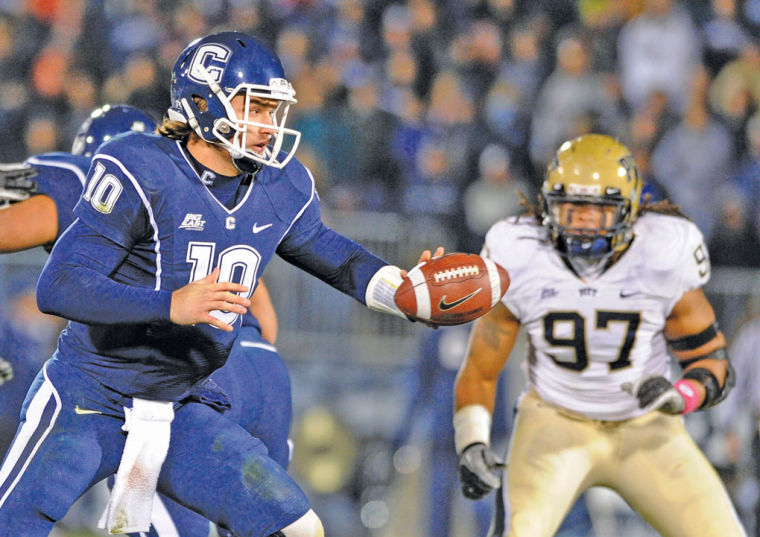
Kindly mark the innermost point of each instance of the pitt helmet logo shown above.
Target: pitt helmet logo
(209, 63)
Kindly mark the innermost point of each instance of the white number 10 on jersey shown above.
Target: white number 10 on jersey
(237, 264)
(103, 190)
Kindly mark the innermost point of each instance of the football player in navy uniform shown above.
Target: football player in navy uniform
(604, 289)
(172, 233)
(39, 197)
(254, 382)
(40, 193)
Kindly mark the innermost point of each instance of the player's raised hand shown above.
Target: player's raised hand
(194, 302)
(477, 464)
(655, 392)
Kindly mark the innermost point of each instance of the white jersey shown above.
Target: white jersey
(588, 337)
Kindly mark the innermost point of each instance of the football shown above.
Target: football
(452, 289)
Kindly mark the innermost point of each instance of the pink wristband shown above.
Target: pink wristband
(689, 394)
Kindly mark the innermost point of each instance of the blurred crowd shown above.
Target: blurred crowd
(441, 110)
(438, 109)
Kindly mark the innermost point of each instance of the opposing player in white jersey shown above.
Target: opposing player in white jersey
(602, 288)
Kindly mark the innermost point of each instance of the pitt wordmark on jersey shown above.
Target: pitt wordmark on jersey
(589, 336)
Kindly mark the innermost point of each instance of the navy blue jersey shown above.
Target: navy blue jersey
(61, 177)
(145, 197)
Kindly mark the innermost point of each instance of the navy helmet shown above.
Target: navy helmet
(106, 122)
(217, 68)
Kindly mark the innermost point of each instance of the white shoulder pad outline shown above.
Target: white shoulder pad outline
(675, 243)
(512, 242)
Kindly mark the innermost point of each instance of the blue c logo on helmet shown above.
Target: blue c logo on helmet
(212, 58)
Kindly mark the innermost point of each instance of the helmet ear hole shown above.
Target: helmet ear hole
(200, 102)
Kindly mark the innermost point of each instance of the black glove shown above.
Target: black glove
(656, 393)
(476, 466)
(16, 182)
(6, 371)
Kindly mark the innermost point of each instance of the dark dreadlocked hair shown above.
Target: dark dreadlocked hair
(661, 207)
(647, 205)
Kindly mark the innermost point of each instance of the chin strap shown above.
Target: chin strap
(189, 118)
(246, 165)
(595, 248)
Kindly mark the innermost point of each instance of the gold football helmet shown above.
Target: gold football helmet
(593, 173)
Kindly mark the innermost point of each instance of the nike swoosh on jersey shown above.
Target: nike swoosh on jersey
(257, 227)
(623, 294)
(443, 305)
(83, 411)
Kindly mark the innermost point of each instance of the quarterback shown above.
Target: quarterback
(603, 288)
(38, 199)
(172, 233)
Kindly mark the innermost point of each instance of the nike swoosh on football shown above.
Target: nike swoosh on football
(82, 411)
(257, 227)
(443, 305)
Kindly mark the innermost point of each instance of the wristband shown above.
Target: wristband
(707, 379)
(381, 290)
(472, 425)
(689, 394)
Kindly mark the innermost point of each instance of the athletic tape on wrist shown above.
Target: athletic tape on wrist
(472, 425)
(689, 394)
(382, 289)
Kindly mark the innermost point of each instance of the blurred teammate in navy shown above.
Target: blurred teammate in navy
(44, 203)
(172, 233)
